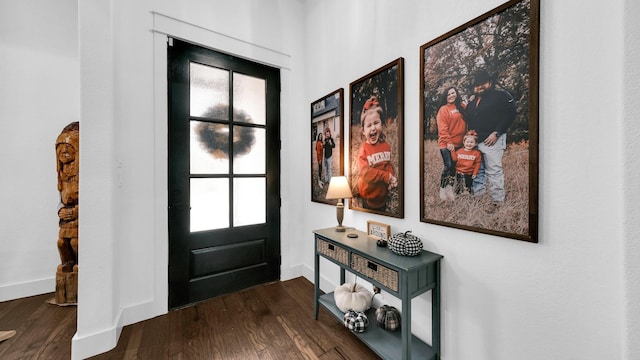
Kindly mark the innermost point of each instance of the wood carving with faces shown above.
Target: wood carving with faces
(68, 166)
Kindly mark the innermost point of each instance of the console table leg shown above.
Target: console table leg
(405, 324)
(435, 311)
(316, 286)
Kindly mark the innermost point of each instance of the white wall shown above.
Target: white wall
(39, 96)
(506, 299)
(572, 296)
(123, 76)
(630, 145)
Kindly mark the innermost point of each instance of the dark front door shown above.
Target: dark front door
(224, 185)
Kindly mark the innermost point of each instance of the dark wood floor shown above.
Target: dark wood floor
(44, 331)
(268, 322)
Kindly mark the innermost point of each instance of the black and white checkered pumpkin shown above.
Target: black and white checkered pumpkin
(355, 321)
(405, 244)
(388, 317)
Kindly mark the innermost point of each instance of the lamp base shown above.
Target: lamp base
(340, 216)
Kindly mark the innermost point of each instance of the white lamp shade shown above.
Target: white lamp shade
(339, 188)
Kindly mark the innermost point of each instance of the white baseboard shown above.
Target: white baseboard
(326, 284)
(97, 343)
(25, 289)
(293, 272)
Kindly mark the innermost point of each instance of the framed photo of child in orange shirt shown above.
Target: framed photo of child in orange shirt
(376, 141)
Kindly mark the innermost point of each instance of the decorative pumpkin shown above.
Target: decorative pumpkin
(350, 296)
(405, 244)
(355, 321)
(388, 317)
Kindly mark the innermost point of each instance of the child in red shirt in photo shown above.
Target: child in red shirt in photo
(468, 160)
(376, 174)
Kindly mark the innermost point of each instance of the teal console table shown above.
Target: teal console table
(402, 276)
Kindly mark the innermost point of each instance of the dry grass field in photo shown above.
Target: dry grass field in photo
(479, 212)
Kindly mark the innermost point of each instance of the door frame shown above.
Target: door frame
(163, 27)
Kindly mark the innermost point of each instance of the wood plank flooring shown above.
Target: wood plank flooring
(267, 322)
(43, 330)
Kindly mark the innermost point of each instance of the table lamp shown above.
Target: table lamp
(339, 189)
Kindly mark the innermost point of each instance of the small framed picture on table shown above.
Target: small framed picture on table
(378, 230)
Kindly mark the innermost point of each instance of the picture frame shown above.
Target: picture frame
(378, 230)
(376, 163)
(501, 47)
(326, 116)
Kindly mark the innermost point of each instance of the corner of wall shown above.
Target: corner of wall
(96, 343)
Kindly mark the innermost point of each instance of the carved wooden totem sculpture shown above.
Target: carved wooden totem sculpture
(68, 167)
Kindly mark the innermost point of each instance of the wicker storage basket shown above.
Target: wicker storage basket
(375, 271)
(335, 252)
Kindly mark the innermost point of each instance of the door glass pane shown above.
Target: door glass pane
(208, 91)
(249, 206)
(249, 151)
(209, 148)
(249, 95)
(206, 197)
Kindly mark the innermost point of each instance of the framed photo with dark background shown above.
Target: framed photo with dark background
(327, 156)
(485, 74)
(376, 148)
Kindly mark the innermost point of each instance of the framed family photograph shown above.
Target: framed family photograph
(376, 141)
(479, 124)
(327, 157)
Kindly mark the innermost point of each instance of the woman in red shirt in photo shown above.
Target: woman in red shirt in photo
(451, 130)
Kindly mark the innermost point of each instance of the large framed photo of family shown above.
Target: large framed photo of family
(376, 141)
(327, 157)
(479, 124)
